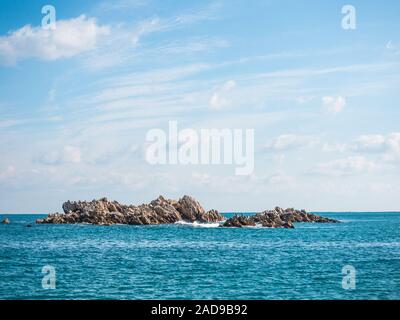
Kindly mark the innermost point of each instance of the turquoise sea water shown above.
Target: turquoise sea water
(195, 262)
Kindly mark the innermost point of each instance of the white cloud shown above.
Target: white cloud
(220, 97)
(372, 142)
(255, 184)
(347, 166)
(71, 154)
(303, 99)
(8, 172)
(393, 47)
(384, 148)
(393, 142)
(387, 145)
(334, 147)
(292, 141)
(68, 154)
(281, 178)
(70, 38)
(334, 104)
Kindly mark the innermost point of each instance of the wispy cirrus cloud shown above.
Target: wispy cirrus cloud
(127, 43)
(118, 5)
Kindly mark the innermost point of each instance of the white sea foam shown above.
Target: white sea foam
(257, 226)
(198, 224)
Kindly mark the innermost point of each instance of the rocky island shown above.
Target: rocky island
(158, 211)
(167, 211)
(277, 218)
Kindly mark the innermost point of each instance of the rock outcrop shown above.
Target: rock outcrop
(158, 211)
(277, 218)
(166, 211)
(6, 221)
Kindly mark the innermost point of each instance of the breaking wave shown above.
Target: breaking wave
(198, 224)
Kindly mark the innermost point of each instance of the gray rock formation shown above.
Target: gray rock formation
(277, 218)
(158, 211)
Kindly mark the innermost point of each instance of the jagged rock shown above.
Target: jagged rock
(5, 221)
(277, 218)
(239, 221)
(211, 216)
(159, 211)
(189, 209)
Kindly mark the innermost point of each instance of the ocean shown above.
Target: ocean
(192, 261)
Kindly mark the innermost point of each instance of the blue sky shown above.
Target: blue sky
(75, 104)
